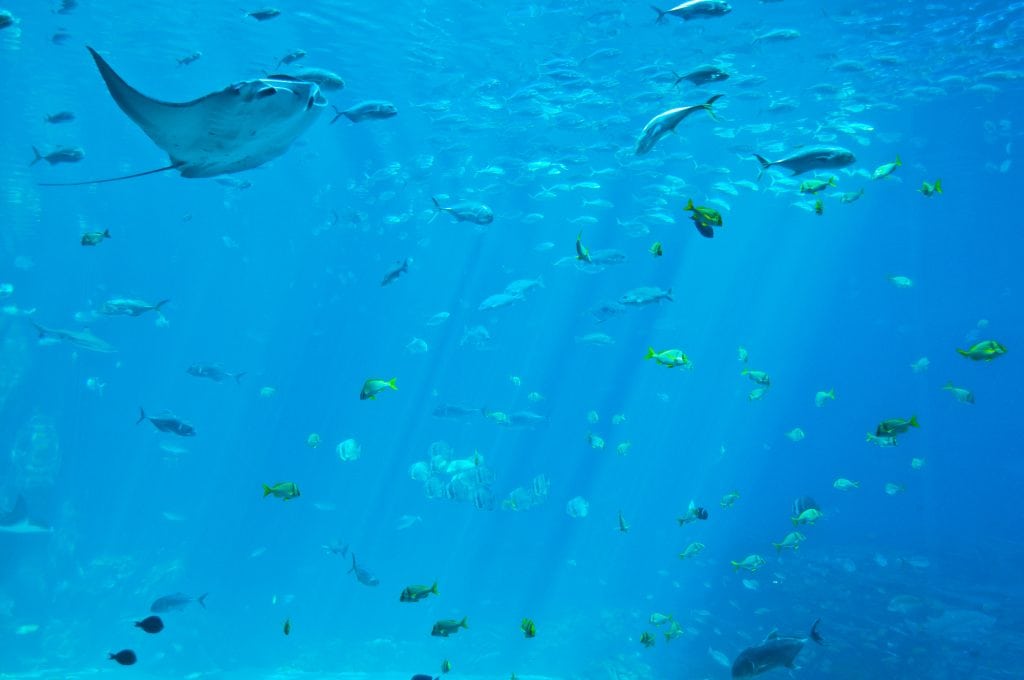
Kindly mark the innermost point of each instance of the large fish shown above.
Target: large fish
(666, 122)
(774, 652)
(238, 128)
(695, 9)
(811, 158)
(83, 339)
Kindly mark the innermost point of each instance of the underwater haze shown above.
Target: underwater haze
(553, 340)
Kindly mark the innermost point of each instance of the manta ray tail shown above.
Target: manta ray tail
(172, 166)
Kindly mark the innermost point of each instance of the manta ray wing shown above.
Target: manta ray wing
(238, 128)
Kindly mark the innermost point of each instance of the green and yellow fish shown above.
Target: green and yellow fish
(417, 593)
(986, 350)
(656, 249)
(813, 186)
(808, 516)
(283, 490)
(819, 207)
(529, 628)
(373, 386)
(929, 190)
(883, 171)
(895, 426)
(446, 667)
(668, 357)
(582, 254)
(646, 639)
(287, 626)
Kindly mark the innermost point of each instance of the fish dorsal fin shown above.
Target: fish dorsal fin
(773, 635)
(17, 513)
(172, 166)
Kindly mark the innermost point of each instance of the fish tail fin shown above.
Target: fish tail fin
(391, 384)
(160, 304)
(938, 186)
(661, 14)
(338, 113)
(668, 295)
(238, 377)
(913, 422)
(202, 600)
(106, 233)
(707, 106)
(815, 635)
(433, 589)
(962, 352)
(948, 385)
(778, 547)
(463, 623)
(735, 565)
(172, 166)
(353, 564)
(765, 164)
(650, 353)
(436, 203)
(832, 181)
(38, 157)
(898, 161)
(267, 491)
(142, 415)
(795, 520)
(678, 78)
(689, 205)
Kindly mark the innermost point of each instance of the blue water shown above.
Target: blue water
(280, 277)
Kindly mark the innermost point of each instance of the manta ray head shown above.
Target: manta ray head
(254, 121)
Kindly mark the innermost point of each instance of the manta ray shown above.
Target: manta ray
(238, 128)
(16, 521)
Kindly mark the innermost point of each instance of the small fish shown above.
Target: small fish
(214, 372)
(363, 576)
(646, 639)
(529, 628)
(185, 61)
(395, 272)
(291, 58)
(729, 499)
(287, 626)
(446, 627)
(582, 254)
(93, 238)
(176, 602)
(796, 435)
(895, 426)
(417, 593)
(813, 186)
(808, 516)
(656, 250)
(150, 624)
(843, 484)
(283, 490)
(691, 551)
(986, 350)
(60, 117)
(125, 657)
(894, 489)
(658, 619)
(759, 377)
(313, 440)
(821, 397)
(901, 281)
(964, 396)
(368, 110)
(852, 196)
(887, 169)
(623, 526)
(819, 207)
(373, 386)
(750, 563)
(791, 541)
(467, 211)
(168, 423)
(929, 190)
(669, 357)
(446, 667)
(63, 154)
(264, 14)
